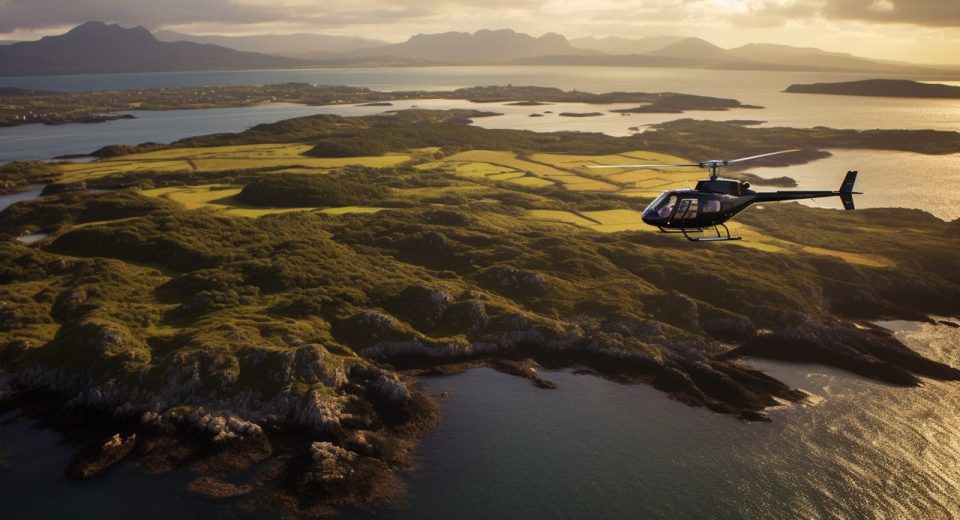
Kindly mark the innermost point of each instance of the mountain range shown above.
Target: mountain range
(300, 46)
(99, 48)
(96, 47)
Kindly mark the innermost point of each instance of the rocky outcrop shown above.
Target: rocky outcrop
(871, 353)
(730, 329)
(95, 460)
(422, 307)
(469, 316)
(511, 279)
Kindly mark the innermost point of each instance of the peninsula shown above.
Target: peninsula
(252, 305)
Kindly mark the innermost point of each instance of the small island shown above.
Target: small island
(21, 106)
(880, 88)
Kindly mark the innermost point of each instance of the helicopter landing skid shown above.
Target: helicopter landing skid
(725, 235)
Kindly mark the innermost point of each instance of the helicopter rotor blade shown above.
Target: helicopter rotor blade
(642, 165)
(762, 155)
(712, 164)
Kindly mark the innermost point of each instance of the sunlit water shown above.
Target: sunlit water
(887, 179)
(597, 449)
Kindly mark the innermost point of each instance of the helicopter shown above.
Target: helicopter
(716, 200)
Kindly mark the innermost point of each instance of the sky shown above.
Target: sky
(919, 31)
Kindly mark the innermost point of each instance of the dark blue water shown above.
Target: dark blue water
(9, 200)
(33, 142)
(33, 485)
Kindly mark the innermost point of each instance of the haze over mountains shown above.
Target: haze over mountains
(300, 46)
(96, 47)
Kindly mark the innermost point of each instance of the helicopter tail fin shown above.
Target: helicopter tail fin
(846, 190)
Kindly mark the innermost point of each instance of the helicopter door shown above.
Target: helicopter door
(687, 209)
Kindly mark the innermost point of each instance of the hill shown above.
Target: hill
(880, 87)
(98, 48)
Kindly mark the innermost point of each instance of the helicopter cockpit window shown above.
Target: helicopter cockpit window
(711, 206)
(663, 205)
(687, 209)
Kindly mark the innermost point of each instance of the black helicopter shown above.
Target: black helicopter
(715, 200)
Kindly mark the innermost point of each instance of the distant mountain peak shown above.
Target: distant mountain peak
(102, 30)
(483, 46)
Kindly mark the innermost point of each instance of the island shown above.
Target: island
(24, 106)
(255, 306)
(880, 87)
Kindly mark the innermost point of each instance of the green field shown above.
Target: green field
(279, 157)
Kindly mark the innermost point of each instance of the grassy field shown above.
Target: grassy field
(221, 198)
(503, 159)
(280, 157)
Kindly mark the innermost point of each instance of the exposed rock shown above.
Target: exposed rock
(422, 306)
(211, 487)
(391, 388)
(513, 279)
(222, 427)
(731, 329)
(93, 461)
(468, 316)
(331, 462)
(635, 328)
(321, 413)
(369, 327)
(310, 368)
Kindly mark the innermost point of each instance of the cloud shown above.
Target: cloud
(401, 18)
(40, 14)
(932, 13)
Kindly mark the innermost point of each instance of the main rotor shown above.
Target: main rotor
(713, 164)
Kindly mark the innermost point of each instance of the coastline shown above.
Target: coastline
(493, 456)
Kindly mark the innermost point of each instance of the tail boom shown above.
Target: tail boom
(845, 193)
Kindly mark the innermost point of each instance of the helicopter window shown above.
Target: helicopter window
(663, 205)
(687, 209)
(711, 206)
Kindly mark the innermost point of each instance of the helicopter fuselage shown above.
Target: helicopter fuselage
(716, 201)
